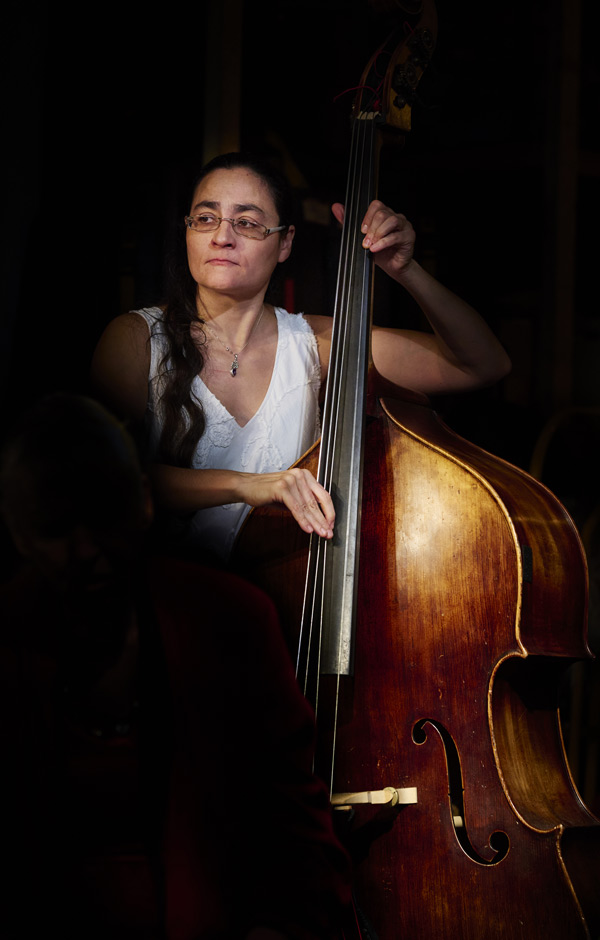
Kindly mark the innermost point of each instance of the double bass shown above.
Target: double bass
(432, 633)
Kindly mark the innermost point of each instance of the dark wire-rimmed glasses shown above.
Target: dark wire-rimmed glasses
(206, 222)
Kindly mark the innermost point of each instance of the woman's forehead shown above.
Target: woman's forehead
(237, 186)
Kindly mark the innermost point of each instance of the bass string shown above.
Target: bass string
(353, 280)
(351, 248)
(313, 595)
(309, 655)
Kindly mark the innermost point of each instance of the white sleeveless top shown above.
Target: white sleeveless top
(284, 427)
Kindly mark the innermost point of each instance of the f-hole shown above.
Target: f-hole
(498, 841)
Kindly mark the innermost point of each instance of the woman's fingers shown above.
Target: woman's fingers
(387, 234)
(338, 212)
(314, 507)
(309, 502)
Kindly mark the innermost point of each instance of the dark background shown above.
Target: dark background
(109, 114)
(110, 109)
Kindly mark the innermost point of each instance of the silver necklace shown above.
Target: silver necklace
(233, 371)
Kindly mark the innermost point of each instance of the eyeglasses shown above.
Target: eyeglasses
(242, 226)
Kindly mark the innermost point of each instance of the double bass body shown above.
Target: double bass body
(469, 595)
(471, 605)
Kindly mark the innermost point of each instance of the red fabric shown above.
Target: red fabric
(249, 837)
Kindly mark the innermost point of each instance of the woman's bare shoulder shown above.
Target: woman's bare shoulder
(121, 363)
(131, 324)
(321, 326)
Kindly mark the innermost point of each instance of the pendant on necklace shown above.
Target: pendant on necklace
(234, 366)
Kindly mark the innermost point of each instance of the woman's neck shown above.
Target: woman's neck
(233, 324)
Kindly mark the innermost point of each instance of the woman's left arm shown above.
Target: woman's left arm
(462, 352)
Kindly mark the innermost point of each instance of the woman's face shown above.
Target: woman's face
(222, 261)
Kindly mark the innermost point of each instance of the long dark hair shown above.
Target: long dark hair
(184, 359)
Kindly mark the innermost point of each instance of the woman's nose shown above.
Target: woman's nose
(225, 233)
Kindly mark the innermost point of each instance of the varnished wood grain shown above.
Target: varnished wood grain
(460, 648)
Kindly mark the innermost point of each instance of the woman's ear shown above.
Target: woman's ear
(285, 244)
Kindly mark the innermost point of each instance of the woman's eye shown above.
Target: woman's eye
(206, 218)
(246, 223)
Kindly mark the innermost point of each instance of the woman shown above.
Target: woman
(233, 385)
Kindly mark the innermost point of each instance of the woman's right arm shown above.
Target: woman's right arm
(120, 367)
(119, 378)
(183, 490)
